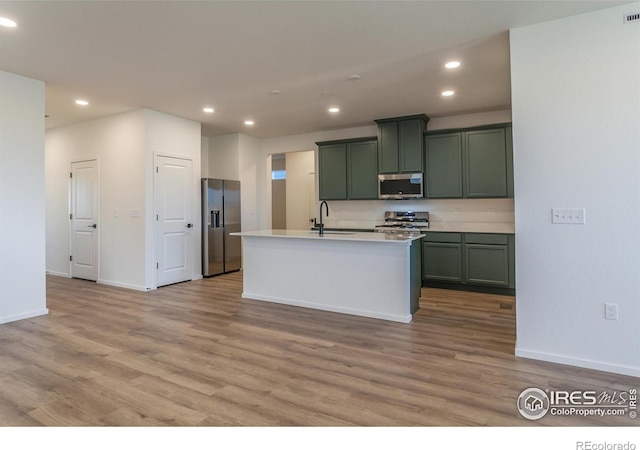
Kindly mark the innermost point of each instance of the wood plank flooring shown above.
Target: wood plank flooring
(196, 354)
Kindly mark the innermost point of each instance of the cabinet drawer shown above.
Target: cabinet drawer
(436, 236)
(486, 238)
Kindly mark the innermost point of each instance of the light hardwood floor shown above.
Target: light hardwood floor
(196, 354)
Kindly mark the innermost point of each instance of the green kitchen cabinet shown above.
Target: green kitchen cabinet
(470, 163)
(443, 177)
(362, 170)
(388, 148)
(486, 259)
(332, 179)
(348, 169)
(401, 144)
(485, 163)
(469, 260)
(442, 257)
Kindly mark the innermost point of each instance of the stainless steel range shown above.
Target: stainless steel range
(404, 222)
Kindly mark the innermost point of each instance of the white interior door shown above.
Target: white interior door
(174, 219)
(84, 220)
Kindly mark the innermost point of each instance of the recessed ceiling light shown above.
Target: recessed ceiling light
(274, 92)
(353, 77)
(447, 93)
(208, 110)
(334, 110)
(7, 22)
(248, 122)
(452, 64)
(82, 102)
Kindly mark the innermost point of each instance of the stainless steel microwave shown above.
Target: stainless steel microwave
(400, 186)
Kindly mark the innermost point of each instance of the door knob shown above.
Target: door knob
(93, 226)
(189, 225)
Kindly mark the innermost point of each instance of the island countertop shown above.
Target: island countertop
(386, 238)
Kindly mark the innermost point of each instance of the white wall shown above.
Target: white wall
(22, 198)
(204, 157)
(224, 157)
(576, 131)
(254, 183)
(125, 146)
(117, 142)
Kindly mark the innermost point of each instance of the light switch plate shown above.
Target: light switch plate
(568, 215)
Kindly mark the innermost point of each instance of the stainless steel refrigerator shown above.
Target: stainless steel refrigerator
(221, 252)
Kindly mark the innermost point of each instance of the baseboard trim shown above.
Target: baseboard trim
(469, 287)
(124, 285)
(58, 274)
(26, 315)
(337, 309)
(578, 362)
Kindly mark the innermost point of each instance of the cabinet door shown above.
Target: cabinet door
(410, 141)
(485, 161)
(487, 264)
(442, 261)
(363, 170)
(332, 162)
(388, 147)
(444, 166)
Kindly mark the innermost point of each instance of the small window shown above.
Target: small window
(278, 174)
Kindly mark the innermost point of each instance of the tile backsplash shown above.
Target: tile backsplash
(369, 213)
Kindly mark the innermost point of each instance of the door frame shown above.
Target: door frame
(70, 206)
(195, 216)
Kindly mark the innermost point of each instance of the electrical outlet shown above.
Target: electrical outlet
(611, 311)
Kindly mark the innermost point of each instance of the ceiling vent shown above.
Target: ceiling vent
(632, 17)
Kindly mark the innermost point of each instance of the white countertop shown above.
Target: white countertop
(333, 236)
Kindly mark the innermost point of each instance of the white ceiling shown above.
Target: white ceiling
(179, 56)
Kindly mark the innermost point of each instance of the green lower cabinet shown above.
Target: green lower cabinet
(469, 259)
(442, 261)
(487, 264)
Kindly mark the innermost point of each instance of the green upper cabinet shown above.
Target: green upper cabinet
(332, 160)
(388, 158)
(400, 144)
(362, 166)
(471, 163)
(485, 163)
(348, 169)
(443, 166)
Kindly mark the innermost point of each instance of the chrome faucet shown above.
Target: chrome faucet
(320, 225)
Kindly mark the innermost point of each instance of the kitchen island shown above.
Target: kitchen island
(374, 275)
